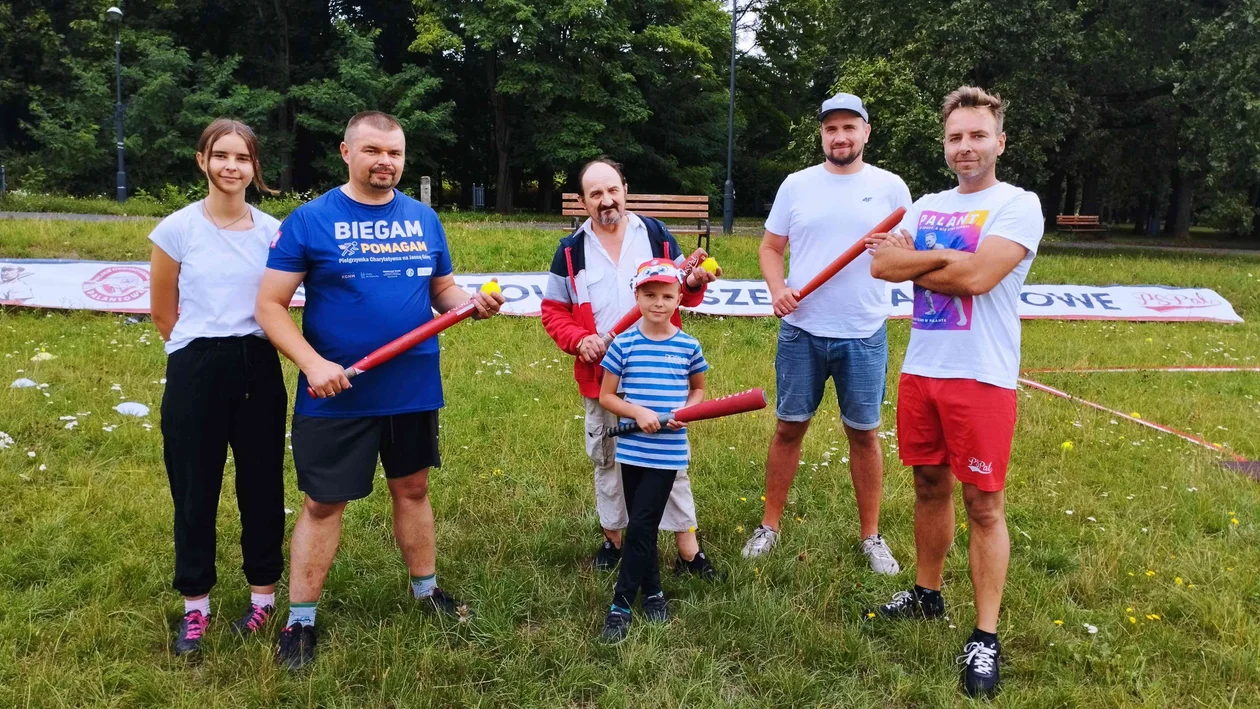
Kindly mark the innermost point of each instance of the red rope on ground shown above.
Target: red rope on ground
(1149, 424)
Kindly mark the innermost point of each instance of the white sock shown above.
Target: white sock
(201, 604)
(422, 586)
(263, 600)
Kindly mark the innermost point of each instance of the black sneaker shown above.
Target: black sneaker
(607, 557)
(445, 604)
(616, 626)
(699, 565)
(980, 666)
(655, 610)
(297, 646)
(912, 604)
(253, 620)
(192, 627)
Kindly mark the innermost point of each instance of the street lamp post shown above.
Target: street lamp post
(115, 16)
(728, 194)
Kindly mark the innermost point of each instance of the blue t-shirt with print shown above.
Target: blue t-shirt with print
(368, 271)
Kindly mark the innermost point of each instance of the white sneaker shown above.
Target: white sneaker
(880, 556)
(761, 542)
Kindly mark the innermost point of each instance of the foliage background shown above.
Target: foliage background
(1142, 111)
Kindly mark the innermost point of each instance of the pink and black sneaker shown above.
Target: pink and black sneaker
(191, 629)
(255, 617)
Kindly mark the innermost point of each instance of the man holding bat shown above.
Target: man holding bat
(588, 292)
(968, 251)
(839, 332)
(376, 264)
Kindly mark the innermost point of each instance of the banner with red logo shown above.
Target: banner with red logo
(123, 287)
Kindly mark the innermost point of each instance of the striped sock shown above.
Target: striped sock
(303, 613)
(423, 586)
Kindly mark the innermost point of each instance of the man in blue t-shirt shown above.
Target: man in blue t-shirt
(376, 264)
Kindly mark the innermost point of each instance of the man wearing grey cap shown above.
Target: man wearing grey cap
(839, 333)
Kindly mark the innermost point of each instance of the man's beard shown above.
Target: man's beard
(609, 217)
(382, 180)
(845, 161)
(980, 166)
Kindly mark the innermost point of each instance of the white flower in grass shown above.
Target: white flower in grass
(1091, 629)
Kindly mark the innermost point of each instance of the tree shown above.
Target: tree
(360, 84)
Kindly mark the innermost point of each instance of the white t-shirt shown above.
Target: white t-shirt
(822, 215)
(971, 337)
(219, 273)
(609, 284)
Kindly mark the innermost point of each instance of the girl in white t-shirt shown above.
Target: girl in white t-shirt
(224, 386)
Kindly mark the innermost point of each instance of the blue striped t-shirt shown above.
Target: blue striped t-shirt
(655, 374)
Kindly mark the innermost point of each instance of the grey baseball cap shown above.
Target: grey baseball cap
(843, 102)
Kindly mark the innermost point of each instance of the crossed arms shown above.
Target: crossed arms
(944, 271)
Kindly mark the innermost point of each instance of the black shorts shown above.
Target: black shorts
(336, 457)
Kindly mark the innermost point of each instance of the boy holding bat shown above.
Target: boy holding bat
(654, 368)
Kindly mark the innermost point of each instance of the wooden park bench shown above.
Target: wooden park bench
(661, 206)
(1079, 222)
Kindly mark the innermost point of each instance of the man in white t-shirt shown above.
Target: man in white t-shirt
(838, 333)
(968, 251)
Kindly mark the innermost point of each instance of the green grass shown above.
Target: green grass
(145, 205)
(86, 611)
(1200, 237)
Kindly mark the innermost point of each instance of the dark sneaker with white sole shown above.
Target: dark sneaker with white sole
(192, 627)
(297, 646)
(253, 620)
(655, 609)
(607, 557)
(616, 626)
(698, 566)
(446, 604)
(913, 604)
(980, 660)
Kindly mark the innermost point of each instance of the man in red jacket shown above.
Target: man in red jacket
(587, 293)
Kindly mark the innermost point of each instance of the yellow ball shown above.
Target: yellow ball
(710, 264)
(491, 287)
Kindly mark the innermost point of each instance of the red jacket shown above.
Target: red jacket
(567, 315)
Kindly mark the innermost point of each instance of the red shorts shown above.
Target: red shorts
(961, 422)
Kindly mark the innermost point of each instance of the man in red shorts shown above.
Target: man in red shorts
(968, 255)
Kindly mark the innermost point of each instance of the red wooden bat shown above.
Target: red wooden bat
(854, 251)
(628, 320)
(740, 403)
(395, 347)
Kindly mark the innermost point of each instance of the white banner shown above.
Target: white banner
(123, 287)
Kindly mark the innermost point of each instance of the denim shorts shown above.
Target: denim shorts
(859, 367)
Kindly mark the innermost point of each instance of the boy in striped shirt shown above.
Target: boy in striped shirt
(652, 369)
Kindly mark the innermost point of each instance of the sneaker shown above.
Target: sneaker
(607, 557)
(297, 646)
(909, 604)
(655, 610)
(980, 667)
(699, 565)
(616, 626)
(191, 629)
(445, 604)
(880, 556)
(761, 542)
(253, 620)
